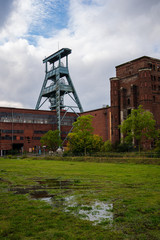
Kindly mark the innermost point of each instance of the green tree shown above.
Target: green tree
(51, 139)
(157, 142)
(82, 140)
(107, 146)
(139, 126)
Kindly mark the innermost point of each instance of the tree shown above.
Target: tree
(139, 126)
(51, 139)
(82, 140)
(107, 146)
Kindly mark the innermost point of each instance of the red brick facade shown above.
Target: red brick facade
(136, 83)
(101, 122)
(23, 128)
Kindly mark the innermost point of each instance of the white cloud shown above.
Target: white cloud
(101, 34)
(11, 104)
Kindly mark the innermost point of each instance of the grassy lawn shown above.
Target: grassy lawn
(133, 191)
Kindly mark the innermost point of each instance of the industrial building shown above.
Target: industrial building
(137, 82)
(21, 129)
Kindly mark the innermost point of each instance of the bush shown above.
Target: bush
(107, 146)
(124, 147)
(67, 153)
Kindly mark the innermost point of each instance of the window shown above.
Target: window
(39, 132)
(154, 99)
(154, 68)
(128, 112)
(128, 101)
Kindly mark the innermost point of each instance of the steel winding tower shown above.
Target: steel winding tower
(57, 84)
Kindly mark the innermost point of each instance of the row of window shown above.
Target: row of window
(7, 137)
(154, 67)
(156, 88)
(40, 132)
(154, 78)
(11, 131)
(34, 118)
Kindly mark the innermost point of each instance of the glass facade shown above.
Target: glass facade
(34, 118)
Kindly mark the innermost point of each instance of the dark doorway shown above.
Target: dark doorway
(17, 147)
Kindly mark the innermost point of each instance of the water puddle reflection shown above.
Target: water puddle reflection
(98, 212)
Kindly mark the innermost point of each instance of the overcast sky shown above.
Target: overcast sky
(101, 33)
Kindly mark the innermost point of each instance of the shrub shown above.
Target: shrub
(107, 146)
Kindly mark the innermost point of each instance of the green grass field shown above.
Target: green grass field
(133, 191)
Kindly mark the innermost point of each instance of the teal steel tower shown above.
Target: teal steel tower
(57, 84)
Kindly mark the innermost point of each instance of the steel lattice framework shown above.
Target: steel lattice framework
(57, 84)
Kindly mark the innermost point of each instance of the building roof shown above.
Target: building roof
(98, 109)
(134, 60)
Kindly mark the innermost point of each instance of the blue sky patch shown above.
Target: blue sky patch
(54, 17)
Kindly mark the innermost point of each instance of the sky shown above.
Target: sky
(101, 34)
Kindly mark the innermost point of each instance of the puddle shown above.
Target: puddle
(49, 184)
(40, 195)
(55, 183)
(42, 184)
(97, 213)
(25, 190)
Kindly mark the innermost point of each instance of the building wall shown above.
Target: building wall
(136, 83)
(101, 122)
(24, 127)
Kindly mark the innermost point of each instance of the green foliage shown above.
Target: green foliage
(83, 124)
(157, 143)
(81, 140)
(107, 146)
(138, 126)
(124, 147)
(51, 139)
(97, 143)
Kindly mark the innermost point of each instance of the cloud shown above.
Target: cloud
(101, 34)
(20, 73)
(5, 10)
(11, 104)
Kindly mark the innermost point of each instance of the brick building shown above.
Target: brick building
(101, 122)
(137, 82)
(21, 129)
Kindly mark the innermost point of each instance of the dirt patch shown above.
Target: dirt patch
(42, 187)
(40, 194)
(4, 180)
(24, 190)
(56, 184)
(40, 190)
